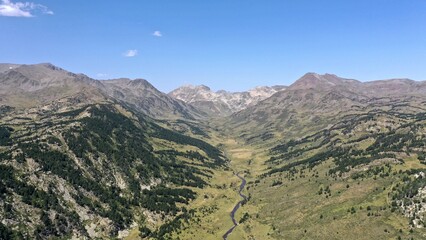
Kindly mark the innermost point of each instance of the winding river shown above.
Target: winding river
(243, 184)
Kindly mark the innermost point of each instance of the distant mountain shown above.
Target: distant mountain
(314, 101)
(322, 82)
(145, 97)
(388, 87)
(32, 85)
(222, 103)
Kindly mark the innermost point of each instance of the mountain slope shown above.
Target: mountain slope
(362, 178)
(334, 158)
(31, 85)
(222, 103)
(96, 170)
(315, 101)
(85, 158)
(140, 94)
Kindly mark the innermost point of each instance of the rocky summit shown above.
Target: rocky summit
(222, 103)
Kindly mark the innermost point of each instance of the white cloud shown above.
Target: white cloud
(131, 53)
(22, 9)
(157, 34)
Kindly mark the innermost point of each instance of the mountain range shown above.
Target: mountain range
(32, 85)
(315, 101)
(323, 158)
(222, 103)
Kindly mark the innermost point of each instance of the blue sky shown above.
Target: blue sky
(225, 44)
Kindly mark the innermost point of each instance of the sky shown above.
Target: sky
(225, 44)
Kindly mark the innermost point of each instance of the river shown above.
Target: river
(244, 197)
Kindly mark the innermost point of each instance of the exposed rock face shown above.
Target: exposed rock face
(415, 207)
(222, 103)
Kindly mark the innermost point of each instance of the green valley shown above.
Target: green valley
(121, 160)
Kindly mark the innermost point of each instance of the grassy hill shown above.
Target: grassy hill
(361, 178)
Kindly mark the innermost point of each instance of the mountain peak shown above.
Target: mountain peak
(50, 66)
(141, 83)
(222, 102)
(312, 74)
(126, 82)
(42, 74)
(201, 87)
(204, 87)
(318, 81)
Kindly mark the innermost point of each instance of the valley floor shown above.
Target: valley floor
(294, 209)
(215, 202)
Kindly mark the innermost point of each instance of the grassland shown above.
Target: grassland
(307, 202)
(354, 209)
(215, 202)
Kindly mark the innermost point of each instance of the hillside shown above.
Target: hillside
(334, 158)
(83, 158)
(363, 177)
(96, 170)
(315, 101)
(32, 85)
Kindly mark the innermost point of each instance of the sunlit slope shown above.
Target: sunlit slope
(358, 179)
(97, 170)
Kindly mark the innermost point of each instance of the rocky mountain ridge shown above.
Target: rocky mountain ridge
(25, 86)
(222, 102)
(396, 86)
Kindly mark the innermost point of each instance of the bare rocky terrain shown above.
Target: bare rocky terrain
(222, 103)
